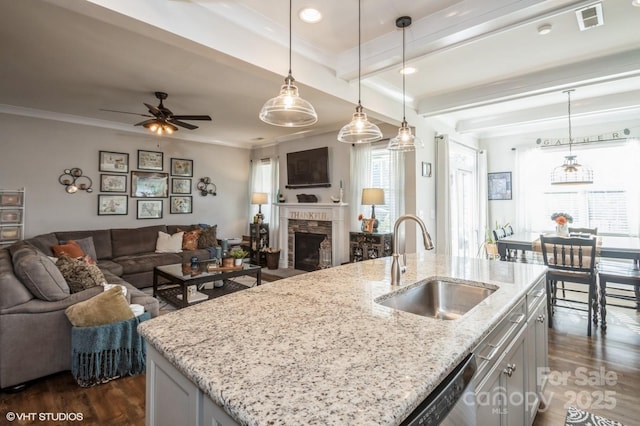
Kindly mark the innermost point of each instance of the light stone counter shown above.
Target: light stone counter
(317, 349)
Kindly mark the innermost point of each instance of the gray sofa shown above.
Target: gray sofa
(35, 334)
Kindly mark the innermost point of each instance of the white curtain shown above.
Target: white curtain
(360, 177)
(397, 181)
(443, 196)
(265, 177)
(483, 205)
(528, 187)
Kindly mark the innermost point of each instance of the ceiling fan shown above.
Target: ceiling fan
(163, 120)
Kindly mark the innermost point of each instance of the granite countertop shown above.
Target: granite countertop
(317, 349)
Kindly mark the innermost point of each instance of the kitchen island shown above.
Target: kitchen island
(317, 348)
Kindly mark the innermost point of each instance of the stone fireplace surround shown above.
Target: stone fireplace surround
(316, 218)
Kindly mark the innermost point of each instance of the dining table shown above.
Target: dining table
(610, 246)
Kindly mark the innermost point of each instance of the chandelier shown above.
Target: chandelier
(571, 172)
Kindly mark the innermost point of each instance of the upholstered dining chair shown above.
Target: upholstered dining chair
(572, 260)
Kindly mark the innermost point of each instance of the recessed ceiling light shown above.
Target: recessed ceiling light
(310, 15)
(636, 3)
(408, 70)
(544, 29)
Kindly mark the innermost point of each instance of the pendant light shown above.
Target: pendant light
(288, 109)
(571, 172)
(405, 141)
(360, 129)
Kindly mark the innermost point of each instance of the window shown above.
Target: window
(610, 203)
(381, 178)
(262, 181)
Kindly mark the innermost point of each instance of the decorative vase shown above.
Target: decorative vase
(562, 230)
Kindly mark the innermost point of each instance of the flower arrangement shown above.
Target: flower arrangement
(562, 218)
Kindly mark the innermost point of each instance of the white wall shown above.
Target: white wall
(34, 152)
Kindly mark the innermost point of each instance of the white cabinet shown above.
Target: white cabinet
(11, 216)
(511, 357)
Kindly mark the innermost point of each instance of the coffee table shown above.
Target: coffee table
(183, 276)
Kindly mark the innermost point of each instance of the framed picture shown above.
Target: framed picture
(426, 169)
(500, 186)
(149, 184)
(150, 160)
(149, 209)
(181, 167)
(113, 183)
(112, 205)
(181, 204)
(10, 216)
(9, 233)
(10, 199)
(114, 162)
(181, 186)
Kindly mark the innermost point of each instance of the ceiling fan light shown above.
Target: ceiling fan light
(288, 109)
(360, 129)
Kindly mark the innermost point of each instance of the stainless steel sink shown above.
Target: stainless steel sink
(438, 298)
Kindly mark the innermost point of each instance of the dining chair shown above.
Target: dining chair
(572, 260)
(578, 232)
(616, 280)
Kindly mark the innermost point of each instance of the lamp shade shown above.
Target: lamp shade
(259, 198)
(288, 109)
(372, 196)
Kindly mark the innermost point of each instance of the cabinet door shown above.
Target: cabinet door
(490, 399)
(542, 347)
(514, 373)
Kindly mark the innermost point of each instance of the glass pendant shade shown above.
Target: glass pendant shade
(288, 109)
(360, 129)
(571, 172)
(405, 140)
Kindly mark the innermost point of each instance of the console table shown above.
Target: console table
(364, 246)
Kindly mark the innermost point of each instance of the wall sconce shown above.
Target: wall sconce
(74, 180)
(206, 187)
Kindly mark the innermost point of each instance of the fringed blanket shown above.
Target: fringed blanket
(106, 352)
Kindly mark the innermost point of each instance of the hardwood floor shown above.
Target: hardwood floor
(613, 358)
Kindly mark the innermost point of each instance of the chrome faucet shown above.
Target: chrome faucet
(396, 270)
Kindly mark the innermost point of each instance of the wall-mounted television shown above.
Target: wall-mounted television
(308, 169)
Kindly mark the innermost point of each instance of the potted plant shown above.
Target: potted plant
(238, 254)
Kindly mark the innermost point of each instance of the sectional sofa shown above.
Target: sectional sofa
(35, 334)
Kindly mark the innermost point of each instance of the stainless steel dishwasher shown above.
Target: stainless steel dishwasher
(452, 403)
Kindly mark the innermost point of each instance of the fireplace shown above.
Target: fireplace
(306, 253)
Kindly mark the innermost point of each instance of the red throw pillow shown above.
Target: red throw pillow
(190, 239)
(70, 248)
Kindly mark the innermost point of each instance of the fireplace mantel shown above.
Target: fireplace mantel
(336, 213)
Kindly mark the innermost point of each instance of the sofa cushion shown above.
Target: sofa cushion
(79, 274)
(146, 262)
(41, 276)
(70, 248)
(44, 242)
(166, 243)
(127, 242)
(101, 241)
(12, 291)
(111, 266)
(208, 237)
(105, 308)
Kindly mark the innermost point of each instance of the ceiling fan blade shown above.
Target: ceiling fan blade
(191, 117)
(126, 112)
(154, 110)
(142, 123)
(183, 124)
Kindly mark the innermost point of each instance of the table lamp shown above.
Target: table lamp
(373, 196)
(259, 198)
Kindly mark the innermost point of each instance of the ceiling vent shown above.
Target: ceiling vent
(590, 16)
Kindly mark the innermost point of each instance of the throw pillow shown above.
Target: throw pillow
(190, 239)
(70, 248)
(79, 274)
(105, 308)
(87, 246)
(41, 277)
(169, 243)
(208, 237)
